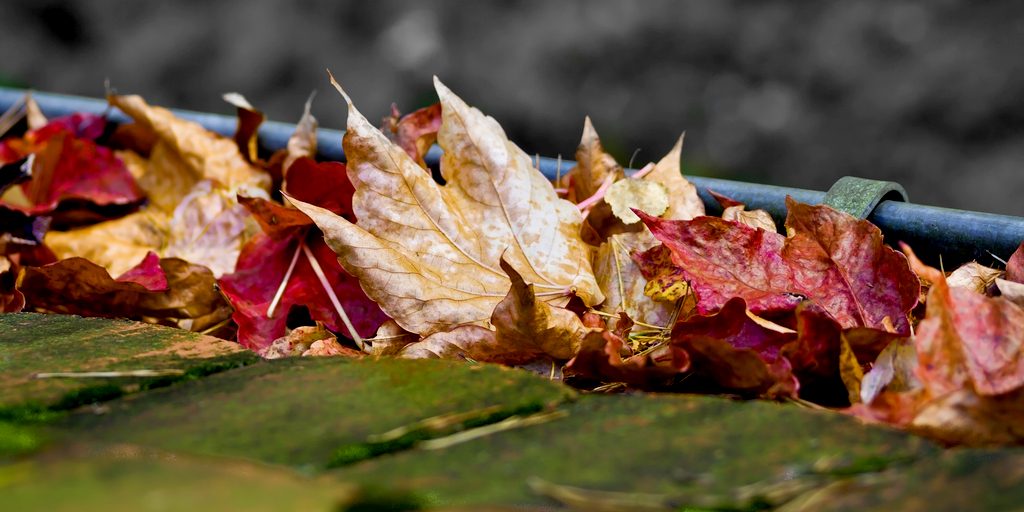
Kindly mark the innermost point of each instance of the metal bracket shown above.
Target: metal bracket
(859, 197)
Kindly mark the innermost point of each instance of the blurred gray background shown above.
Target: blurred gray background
(929, 94)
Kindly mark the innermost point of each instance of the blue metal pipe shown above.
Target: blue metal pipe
(955, 236)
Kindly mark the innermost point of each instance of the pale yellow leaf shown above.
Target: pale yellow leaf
(755, 219)
(116, 245)
(684, 203)
(622, 283)
(593, 164)
(1011, 291)
(302, 143)
(429, 254)
(206, 153)
(849, 370)
(647, 196)
(524, 329)
(973, 276)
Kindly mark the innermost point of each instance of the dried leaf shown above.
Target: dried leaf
(732, 325)
(209, 228)
(307, 340)
(331, 347)
(814, 353)
(685, 204)
(893, 371)
(850, 371)
(593, 165)
(600, 359)
(249, 121)
(1011, 291)
(755, 219)
(472, 341)
(522, 321)
(973, 276)
(647, 196)
(11, 299)
(665, 280)
(622, 283)
(78, 286)
(390, 339)
(736, 352)
(832, 258)
(967, 338)
(262, 267)
(525, 328)
(428, 254)
(302, 143)
(191, 215)
(740, 369)
(736, 212)
(970, 350)
(416, 131)
(207, 154)
(117, 245)
(33, 114)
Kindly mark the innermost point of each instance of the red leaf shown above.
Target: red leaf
(1015, 265)
(277, 221)
(259, 273)
(69, 165)
(970, 352)
(324, 184)
(264, 261)
(737, 352)
(724, 200)
(832, 258)
(147, 273)
(967, 338)
(738, 368)
(80, 125)
(416, 131)
(815, 351)
(732, 325)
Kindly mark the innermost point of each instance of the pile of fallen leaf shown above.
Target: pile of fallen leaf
(605, 280)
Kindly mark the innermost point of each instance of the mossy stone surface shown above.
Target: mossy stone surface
(130, 478)
(643, 444)
(31, 343)
(298, 411)
(953, 480)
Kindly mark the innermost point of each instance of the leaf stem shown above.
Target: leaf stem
(330, 293)
(284, 282)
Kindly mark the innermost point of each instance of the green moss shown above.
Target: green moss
(32, 343)
(88, 395)
(380, 499)
(642, 444)
(18, 440)
(129, 478)
(29, 412)
(300, 411)
(352, 453)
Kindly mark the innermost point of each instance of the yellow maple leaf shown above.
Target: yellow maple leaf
(429, 254)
